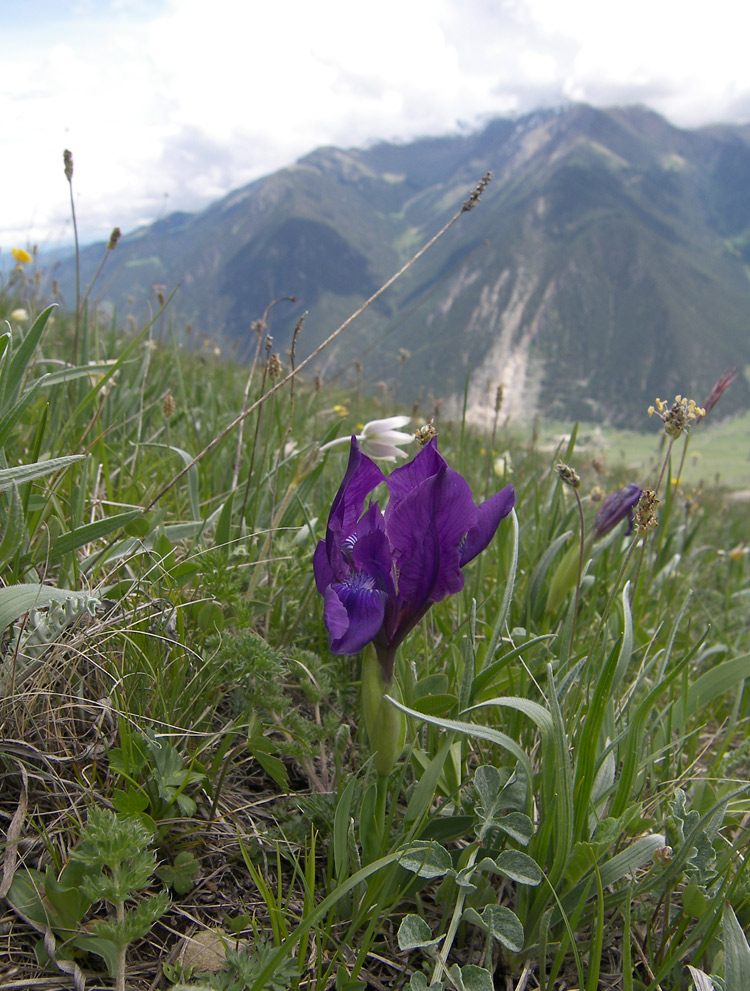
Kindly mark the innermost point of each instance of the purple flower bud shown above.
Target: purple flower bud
(380, 572)
(616, 507)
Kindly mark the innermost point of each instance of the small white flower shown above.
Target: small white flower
(306, 532)
(20, 315)
(380, 438)
(502, 465)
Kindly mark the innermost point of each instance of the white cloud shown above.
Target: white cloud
(168, 104)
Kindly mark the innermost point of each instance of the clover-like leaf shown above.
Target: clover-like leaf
(418, 982)
(516, 825)
(519, 867)
(180, 874)
(491, 785)
(471, 978)
(415, 934)
(489, 782)
(500, 923)
(463, 877)
(426, 859)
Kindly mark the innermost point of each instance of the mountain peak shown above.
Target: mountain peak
(606, 264)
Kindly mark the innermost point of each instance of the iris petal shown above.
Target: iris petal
(425, 528)
(362, 476)
(489, 514)
(321, 568)
(353, 613)
(616, 507)
(372, 556)
(426, 464)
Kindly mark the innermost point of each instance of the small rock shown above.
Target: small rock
(204, 951)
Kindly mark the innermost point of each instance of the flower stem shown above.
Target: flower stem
(77, 324)
(580, 567)
(381, 796)
(664, 465)
(642, 555)
(442, 957)
(608, 605)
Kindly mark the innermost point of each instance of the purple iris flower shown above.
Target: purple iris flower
(381, 571)
(616, 507)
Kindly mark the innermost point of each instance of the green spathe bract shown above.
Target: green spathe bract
(385, 725)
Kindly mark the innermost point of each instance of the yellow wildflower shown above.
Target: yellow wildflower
(677, 417)
(21, 255)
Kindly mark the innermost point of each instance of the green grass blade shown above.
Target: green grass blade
(537, 601)
(736, 952)
(89, 532)
(13, 415)
(561, 787)
(715, 682)
(21, 360)
(510, 585)
(341, 831)
(533, 710)
(313, 918)
(25, 473)
(192, 475)
(14, 535)
(472, 729)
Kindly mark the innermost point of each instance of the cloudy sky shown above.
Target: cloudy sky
(169, 104)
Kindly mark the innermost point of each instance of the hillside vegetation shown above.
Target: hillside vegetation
(552, 788)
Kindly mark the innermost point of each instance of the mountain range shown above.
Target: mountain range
(607, 263)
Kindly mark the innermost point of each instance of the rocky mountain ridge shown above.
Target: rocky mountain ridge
(607, 263)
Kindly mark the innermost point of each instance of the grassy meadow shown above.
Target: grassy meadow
(188, 795)
(718, 455)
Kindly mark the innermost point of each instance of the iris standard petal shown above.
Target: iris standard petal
(425, 528)
(407, 477)
(353, 613)
(417, 567)
(489, 514)
(452, 507)
(455, 514)
(371, 555)
(362, 476)
(321, 568)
